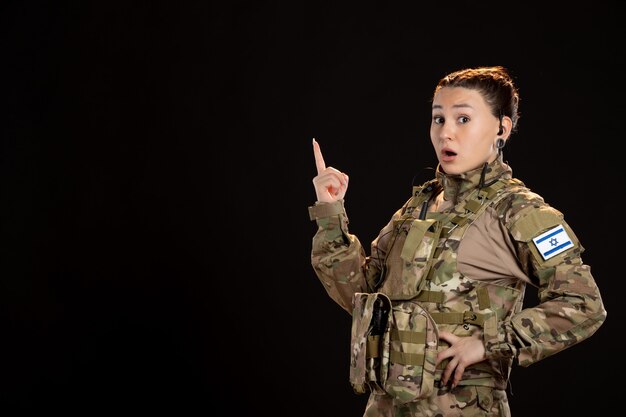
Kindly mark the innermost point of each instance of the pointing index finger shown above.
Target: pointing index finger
(319, 159)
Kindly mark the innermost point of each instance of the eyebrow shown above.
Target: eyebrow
(456, 106)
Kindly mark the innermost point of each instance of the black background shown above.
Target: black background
(156, 172)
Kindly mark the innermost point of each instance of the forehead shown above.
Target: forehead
(458, 97)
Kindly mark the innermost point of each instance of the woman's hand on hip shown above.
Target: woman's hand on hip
(463, 352)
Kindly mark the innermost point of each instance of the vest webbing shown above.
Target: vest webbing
(467, 210)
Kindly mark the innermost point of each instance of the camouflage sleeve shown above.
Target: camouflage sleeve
(338, 258)
(570, 307)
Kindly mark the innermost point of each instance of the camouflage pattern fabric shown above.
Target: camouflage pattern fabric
(362, 371)
(419, 269)
(462, 401)
(409, 353)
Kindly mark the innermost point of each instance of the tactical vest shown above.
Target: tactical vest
(423, 292)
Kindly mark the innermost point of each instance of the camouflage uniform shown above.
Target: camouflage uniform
(463, 268)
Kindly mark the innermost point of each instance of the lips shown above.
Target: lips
(447, 155)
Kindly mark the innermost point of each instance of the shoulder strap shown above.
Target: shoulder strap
(420, 195)
(476, 204)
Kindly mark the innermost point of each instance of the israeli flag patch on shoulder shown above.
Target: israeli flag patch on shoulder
(553, 242)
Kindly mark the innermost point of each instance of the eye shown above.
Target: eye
(438, 120)
(463, 119)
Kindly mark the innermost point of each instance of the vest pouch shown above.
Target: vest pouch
(369, 324)
(411, 258)
(409, 353)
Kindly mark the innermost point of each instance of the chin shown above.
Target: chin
(450, 169)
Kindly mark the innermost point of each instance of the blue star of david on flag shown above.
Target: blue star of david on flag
(553, 242)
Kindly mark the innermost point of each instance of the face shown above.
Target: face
(463, 130)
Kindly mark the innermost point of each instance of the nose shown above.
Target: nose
(446, 132)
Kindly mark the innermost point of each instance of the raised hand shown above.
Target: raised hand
(330, 184)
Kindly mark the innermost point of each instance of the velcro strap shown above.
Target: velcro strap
(490, 191)
(456, 222)
(440, 249)
(426, 296)
(470, 317)
(483, 298)
(456, 219)
(405, 336)
(405, 358)
(414, 238)
(483, 195)
(493, 188)
(373, 343)
(321, 210)
(473, 205)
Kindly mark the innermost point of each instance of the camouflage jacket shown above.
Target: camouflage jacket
(468, 263)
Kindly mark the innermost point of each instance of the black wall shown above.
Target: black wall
(156, 171)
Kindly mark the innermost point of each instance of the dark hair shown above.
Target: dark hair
(493, 83)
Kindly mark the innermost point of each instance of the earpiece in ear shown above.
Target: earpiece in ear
(500, 142)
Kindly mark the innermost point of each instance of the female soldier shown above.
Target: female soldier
(437, 317)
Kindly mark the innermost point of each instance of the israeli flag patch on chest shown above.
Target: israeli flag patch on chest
(553, 242)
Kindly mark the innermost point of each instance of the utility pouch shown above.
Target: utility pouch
(409, 353)
(393, 348)
(369, 325)
(411, 258)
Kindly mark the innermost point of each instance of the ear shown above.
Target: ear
(507, 125)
